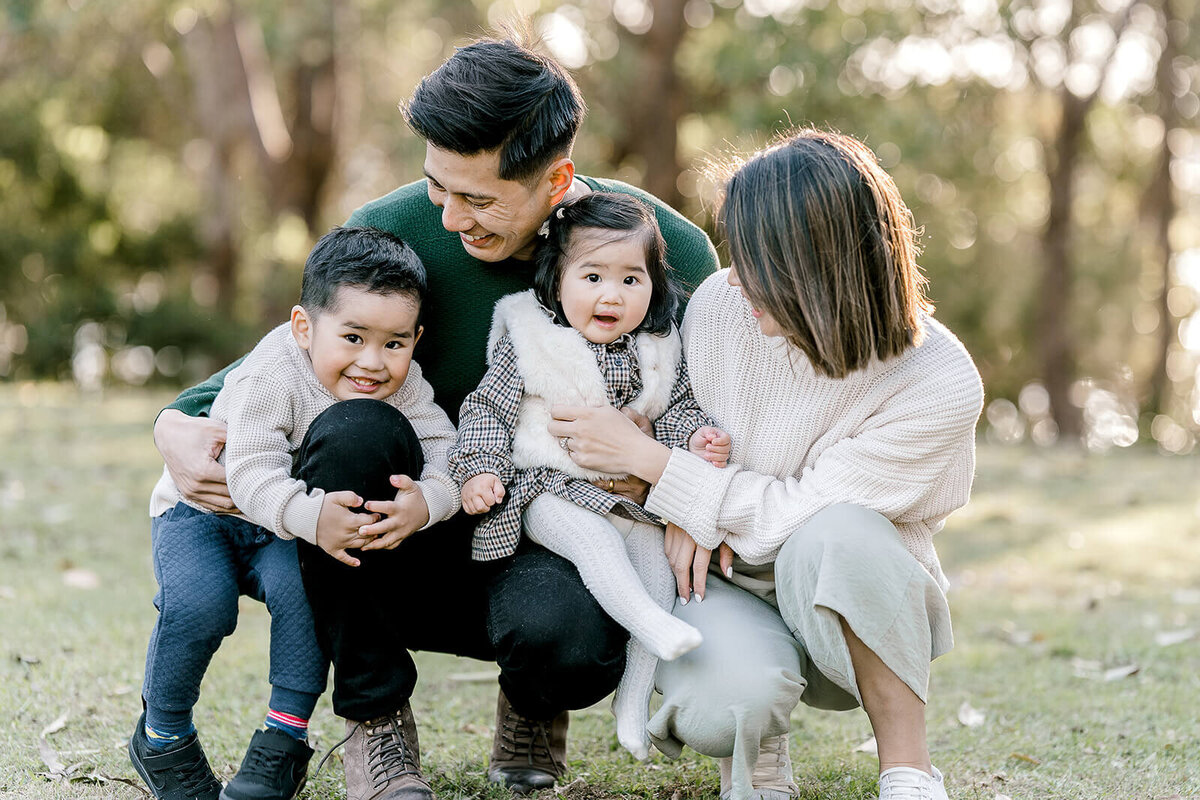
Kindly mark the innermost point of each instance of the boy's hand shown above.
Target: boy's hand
(481, 493)
(711, 444)
(338, 528)
(402, 517)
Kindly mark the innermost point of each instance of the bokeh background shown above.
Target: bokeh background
(165, 166)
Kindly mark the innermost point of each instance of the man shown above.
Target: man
(499, 121)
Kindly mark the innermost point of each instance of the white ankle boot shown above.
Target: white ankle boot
(772, 776)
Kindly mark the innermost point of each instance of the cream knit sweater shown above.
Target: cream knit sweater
(269, 401)
(897, 437)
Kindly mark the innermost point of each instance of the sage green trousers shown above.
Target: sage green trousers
(774, 641)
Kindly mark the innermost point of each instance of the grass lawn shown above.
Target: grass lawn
(1076, 601)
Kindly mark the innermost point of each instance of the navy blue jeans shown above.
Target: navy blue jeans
(556, 648)
(203, 563)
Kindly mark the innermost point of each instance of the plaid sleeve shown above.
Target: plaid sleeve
(683, 416)
(487, 419)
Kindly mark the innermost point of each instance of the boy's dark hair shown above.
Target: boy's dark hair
(367, 258)
(499, 94)
(608, 211)
(823, 242)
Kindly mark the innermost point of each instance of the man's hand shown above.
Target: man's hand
(631, 487)
(402, 517)
(190, 446)
(339, 528)
(689, 561)
(481, 492)
(711, 444)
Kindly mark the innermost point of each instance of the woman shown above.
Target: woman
(852, 414)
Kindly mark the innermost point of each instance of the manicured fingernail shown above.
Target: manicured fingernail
(729, 572)
(699, 598)
(683, 601)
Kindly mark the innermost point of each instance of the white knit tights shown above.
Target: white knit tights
(630, 577)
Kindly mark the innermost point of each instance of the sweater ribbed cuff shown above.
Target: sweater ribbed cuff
(689, 493)
(438, 500)
(300, 516)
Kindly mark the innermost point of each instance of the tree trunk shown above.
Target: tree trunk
(222, 110)
(1055, 345)
(1160, 201)
(657, 103)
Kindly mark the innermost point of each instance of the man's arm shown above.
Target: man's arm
(189, 442)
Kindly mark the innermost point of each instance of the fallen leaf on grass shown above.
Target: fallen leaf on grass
(48, 754)
(970, 717)
(80, 578)
(1168, 638)
(870, 747)
(1025, 758)
(479, 730)
(56, 726)
(567, 788)
(1117, 673)
(24, 658)
(1002, 797)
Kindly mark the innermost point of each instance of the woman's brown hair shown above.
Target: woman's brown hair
(822, 241)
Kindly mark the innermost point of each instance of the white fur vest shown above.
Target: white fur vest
(559, 368)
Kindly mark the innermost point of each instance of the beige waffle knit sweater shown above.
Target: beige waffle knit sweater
(269, 400)
(897, 437)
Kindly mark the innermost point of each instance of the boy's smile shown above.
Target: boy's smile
(363, 346)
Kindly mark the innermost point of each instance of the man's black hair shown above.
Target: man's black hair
(606, 211)
(497, 94)
(365, 258)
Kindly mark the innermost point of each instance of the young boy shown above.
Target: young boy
(351, 338)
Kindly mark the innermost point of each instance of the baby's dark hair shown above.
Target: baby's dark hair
(607, 211)
(367, 258)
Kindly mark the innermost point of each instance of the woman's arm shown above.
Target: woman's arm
(606, 440)
(911, 462)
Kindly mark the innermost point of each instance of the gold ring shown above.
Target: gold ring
(610, 484)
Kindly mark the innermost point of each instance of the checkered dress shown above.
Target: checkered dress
(489, 416)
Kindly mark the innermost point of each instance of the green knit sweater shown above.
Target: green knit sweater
(462, 290)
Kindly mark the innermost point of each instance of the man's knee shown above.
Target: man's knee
(556, 647)
(357, 445)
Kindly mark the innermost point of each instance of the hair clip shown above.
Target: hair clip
(559, 213)
(544, 231)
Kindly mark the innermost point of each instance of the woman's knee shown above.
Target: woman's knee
(844, 531)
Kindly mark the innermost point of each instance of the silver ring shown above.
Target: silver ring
(565, 443)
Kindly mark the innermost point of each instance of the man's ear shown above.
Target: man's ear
(301, 327)
(560, 174)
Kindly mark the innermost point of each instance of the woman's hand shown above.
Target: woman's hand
(606, 440)
(190, 446)
(689, 561)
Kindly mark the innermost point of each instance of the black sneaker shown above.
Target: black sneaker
(181, 773)
(275, 768)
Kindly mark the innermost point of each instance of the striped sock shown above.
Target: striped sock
(296, 727)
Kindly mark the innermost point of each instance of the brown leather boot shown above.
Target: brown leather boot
(383, 759)
(527, 754)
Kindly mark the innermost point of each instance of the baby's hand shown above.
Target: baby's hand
(711, 444)
(481, 493)
(338, 526)
(402, 517)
